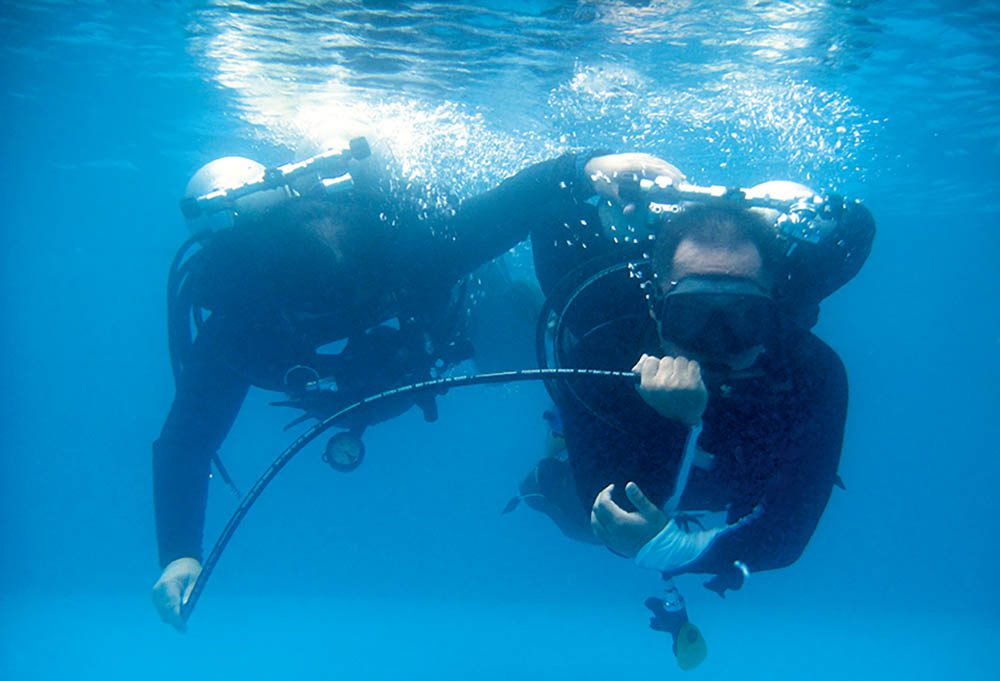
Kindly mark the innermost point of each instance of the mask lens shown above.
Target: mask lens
(717, 323)
(683, 319)
(752, 320)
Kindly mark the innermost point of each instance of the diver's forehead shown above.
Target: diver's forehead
(739, 260)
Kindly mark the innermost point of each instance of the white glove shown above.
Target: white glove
(173, 589)
(674, 548)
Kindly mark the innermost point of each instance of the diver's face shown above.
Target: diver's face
(740, 261)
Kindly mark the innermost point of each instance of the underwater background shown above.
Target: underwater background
(405, 568)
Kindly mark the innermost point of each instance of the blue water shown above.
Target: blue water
(405, 569)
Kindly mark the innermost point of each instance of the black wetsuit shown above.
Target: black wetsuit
(774, 433)
(276, 296)
(774, 437)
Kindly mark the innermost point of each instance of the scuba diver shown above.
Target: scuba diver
(315, 280)
(722, 460)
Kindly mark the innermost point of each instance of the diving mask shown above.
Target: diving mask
(716, 316)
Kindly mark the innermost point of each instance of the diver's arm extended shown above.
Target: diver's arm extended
(776, 533)
(209, 395)
(487, 225)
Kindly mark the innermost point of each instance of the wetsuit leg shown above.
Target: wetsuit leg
(550, 489)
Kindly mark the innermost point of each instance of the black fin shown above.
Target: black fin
(511, 505)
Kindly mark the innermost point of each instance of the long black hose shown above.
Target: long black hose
(315, 431)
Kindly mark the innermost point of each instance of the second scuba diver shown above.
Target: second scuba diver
(299, 262)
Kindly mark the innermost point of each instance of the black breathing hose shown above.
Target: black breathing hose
(318, 429)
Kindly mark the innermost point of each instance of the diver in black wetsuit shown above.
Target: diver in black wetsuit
(723, 460)
(281, 283)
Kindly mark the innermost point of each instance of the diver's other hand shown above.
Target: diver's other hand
(173, 589)
(622, 531)
(673, 387)
(605, 173)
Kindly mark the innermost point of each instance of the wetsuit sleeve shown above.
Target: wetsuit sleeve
(777, 531)
(487, 225)
(600, 454)
(210, 392)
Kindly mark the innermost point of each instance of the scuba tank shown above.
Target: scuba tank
(227, 187)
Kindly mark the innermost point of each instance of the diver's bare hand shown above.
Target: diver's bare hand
(173, 589)
(604, 172)
(623, 532)
(673, 387)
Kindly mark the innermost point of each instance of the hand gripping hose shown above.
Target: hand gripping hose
(439, 384)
